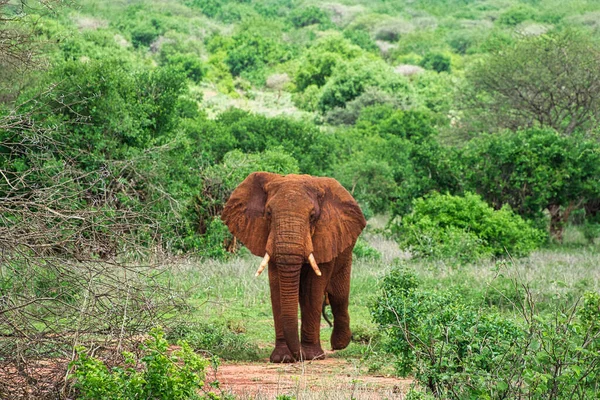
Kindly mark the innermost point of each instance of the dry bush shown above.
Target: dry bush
(70, 251)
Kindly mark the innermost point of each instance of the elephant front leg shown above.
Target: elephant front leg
(312, 289)
(281, 353)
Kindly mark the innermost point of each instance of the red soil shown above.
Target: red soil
(332, 378)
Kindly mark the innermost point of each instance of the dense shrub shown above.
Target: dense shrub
(350, 79)
(515, 15)
(363, 249)
(320, 60)
(457, 350)
(464, 229)
(253, 47)
(124, 109)
(436, 62)
(362, 39)
(189, 64)
(532, 171)
(304, 16)
(237, 129)
(158, 374)
(370, 97)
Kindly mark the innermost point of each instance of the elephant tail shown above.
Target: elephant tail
(325, 304)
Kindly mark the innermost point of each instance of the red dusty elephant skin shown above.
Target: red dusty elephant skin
(305, 228)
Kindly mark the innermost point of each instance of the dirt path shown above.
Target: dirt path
(332, 378)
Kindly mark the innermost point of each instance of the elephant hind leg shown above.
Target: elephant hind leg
(338, 293)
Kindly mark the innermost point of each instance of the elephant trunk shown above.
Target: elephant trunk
(289, 285)
(290, 252)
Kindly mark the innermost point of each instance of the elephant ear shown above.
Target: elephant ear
(244, 212)
(340, 221)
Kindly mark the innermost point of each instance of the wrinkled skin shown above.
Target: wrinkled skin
(288, 218)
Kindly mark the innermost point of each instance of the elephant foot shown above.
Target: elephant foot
(340, 338)
(312, 352)
(281, 354)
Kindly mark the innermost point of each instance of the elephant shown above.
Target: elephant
(305, 227)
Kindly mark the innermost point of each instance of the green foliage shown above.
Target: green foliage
(370, 97)
(189, 64)
(530, 170)
(237, 129)
(253, 47)
(464, 229)
(417, 320)
(393, 156)
(158, 374)
(320, 60)
(362, 39)
(350, 79)
(436, 62)
(515, 15)
(124, 109)
(363, 249)
(456, 350)
(305, 16)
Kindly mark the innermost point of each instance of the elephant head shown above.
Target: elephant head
(293, 220)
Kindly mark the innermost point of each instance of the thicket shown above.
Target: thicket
(464, 229)
(457, 348)
(156, 372)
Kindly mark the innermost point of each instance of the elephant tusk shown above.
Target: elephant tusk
(313, 264)
(263, 264)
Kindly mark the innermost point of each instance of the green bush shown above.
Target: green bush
(157, 374)
(459, 350)
(436, 62)
(189, 64)
(305, 16)
(515, 15)
(417, 319)
(533, 170)
(363, 249)
(464, 229)
(254, 47)
(350, 79)
(362, 39)
(320, 60)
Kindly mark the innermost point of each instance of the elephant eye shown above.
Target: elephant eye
(268, 212)
(313, 216)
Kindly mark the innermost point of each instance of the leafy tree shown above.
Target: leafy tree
(350, 79)
(436, 62)
(392, 157)
(189, 64)
(305, 16)
(515, 15)
(253, 48)
(123, 109)
(549, 80)
(320, 60)
(464, 228)
(237, 129)
(534, 170)
(362, 39)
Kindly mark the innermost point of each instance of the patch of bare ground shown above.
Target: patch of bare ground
(332, 378)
